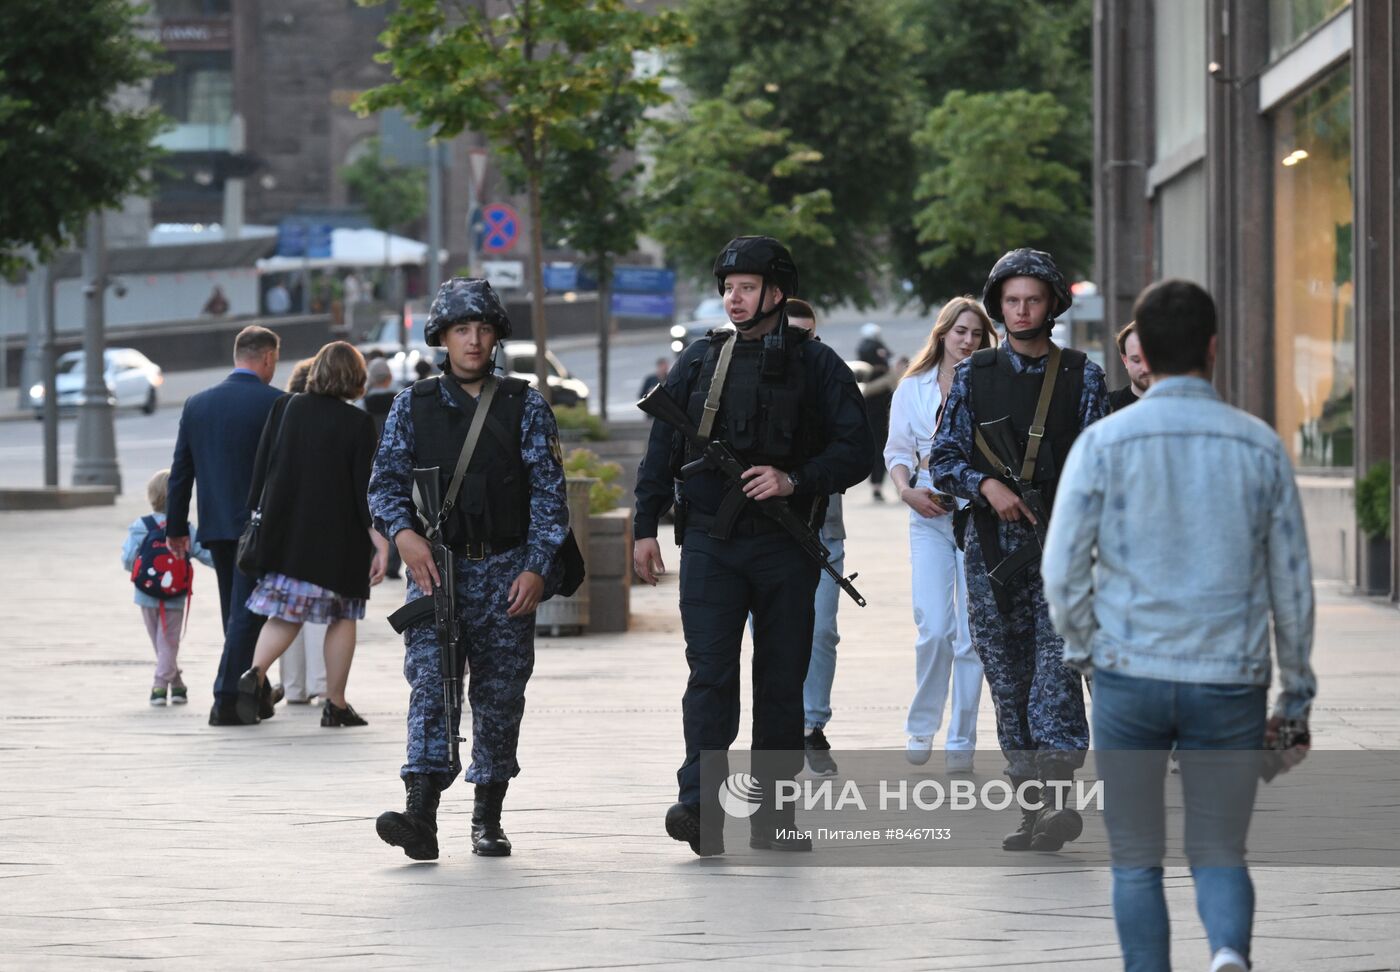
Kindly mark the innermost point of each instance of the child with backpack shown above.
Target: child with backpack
(163, 583)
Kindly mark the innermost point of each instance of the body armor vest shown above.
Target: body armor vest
(493, 505)
(999, 390)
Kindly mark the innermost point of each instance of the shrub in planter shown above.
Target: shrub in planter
(577, 419)
(1373, 501)
(604, 495)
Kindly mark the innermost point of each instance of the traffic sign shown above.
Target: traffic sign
(644, 305)
(644, 280)
(502, 228)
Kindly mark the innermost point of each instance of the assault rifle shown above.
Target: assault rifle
(441, 605)
(719, 457)
(1002, 442)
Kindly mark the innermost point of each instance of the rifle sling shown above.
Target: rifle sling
(483, 405)
(1037, 431)
(712, 395)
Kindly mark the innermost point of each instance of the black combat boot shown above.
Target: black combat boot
(1021, 838)
(1058, 823)
(415, 830)
(488, 839)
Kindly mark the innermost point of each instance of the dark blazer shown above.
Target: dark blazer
(218, 439)
(315, 515)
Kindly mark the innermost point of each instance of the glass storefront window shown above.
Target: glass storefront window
(1290, 20)
(1314, 301)
(197, 95)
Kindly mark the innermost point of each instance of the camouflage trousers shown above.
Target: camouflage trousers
(500, 655)
(1039, 700)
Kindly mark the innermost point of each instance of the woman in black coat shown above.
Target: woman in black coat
(318, 553)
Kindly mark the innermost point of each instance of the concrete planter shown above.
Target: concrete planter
(569, 615)
(610, 571)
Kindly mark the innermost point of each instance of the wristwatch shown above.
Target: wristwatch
(793, 481)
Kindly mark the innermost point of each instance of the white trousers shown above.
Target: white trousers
(943, 652)
(303, 665)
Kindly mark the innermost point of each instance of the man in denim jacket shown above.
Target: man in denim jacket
(1177, 536)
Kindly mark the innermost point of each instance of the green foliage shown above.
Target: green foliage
(1040, 47)
(603, 495)
(833, 83)
(1373, 494)
(392, 195)
(67, 148)
(580, 418)
(719, 171)
(990, 182)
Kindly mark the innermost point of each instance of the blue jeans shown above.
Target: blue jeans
(821, 671)
(1136, 721)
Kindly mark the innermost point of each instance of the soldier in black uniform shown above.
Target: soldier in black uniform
(789, 406)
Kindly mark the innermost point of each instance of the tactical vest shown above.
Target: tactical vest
(761, 417)
(999, 390)
(493, 505)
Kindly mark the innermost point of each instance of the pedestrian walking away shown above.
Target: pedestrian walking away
(216, 446)
(788, 408)
(495, 439)
(943, 653)
(1176, 624)
(879, 391)
(1013, 412)
(318, 555)
(163, 582)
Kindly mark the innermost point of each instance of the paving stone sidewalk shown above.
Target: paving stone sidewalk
(142, 838)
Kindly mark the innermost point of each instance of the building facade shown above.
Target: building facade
(1251, 146)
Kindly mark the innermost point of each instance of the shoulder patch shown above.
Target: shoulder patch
(556, 450)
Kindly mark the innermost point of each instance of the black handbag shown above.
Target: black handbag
(249, 554)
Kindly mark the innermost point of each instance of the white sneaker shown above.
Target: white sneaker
(918, 749)
(958, 761)
(1229, 960)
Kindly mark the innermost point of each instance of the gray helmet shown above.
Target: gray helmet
(1026, 262)
(465, 299)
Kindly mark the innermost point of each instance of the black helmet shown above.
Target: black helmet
(762, 255)
(1026, 262)
(465, 299)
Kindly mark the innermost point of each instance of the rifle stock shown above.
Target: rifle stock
(719, 457)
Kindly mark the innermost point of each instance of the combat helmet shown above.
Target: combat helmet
(765, 257)
(465, 299)
(1026, 262)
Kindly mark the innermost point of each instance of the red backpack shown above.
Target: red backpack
(157, 571)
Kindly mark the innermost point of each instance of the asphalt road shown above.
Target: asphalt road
(145, 442)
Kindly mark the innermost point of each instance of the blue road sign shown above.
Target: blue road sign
(297, 238)
(644, 280)
(502, 228)
(644, 305)
(560, 276)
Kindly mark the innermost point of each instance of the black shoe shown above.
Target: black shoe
(334, 715)
(1058, 824)
(683, 824)
(415, 830)
(777, 840)
(1020, 839)
(488, 839)
(268, 699)
(226, 714)
(818, 751)
(250, 696)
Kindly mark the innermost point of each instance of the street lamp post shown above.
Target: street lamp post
(96, 461)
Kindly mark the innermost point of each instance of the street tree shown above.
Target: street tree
(999, 46)
(989, 183)
(521, 78)
(67, 146)
(839, 78)
(722, 169)
(392, 195)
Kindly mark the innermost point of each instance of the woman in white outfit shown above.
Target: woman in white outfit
(943, 652)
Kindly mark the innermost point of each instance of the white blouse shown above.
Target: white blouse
(913, 420)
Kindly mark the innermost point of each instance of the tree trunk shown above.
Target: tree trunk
(537, 321)
(604, 332)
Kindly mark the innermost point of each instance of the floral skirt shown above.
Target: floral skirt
(288, 599)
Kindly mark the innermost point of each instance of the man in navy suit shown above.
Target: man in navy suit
(218, 441)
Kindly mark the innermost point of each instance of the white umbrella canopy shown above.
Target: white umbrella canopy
(356, 248)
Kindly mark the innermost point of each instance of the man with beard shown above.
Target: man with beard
(1139, 371)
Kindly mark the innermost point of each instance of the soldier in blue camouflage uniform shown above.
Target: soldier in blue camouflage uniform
(1039, 700)
(513, 519)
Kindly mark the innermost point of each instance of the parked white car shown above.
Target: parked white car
(517, 360)
(132, 380)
